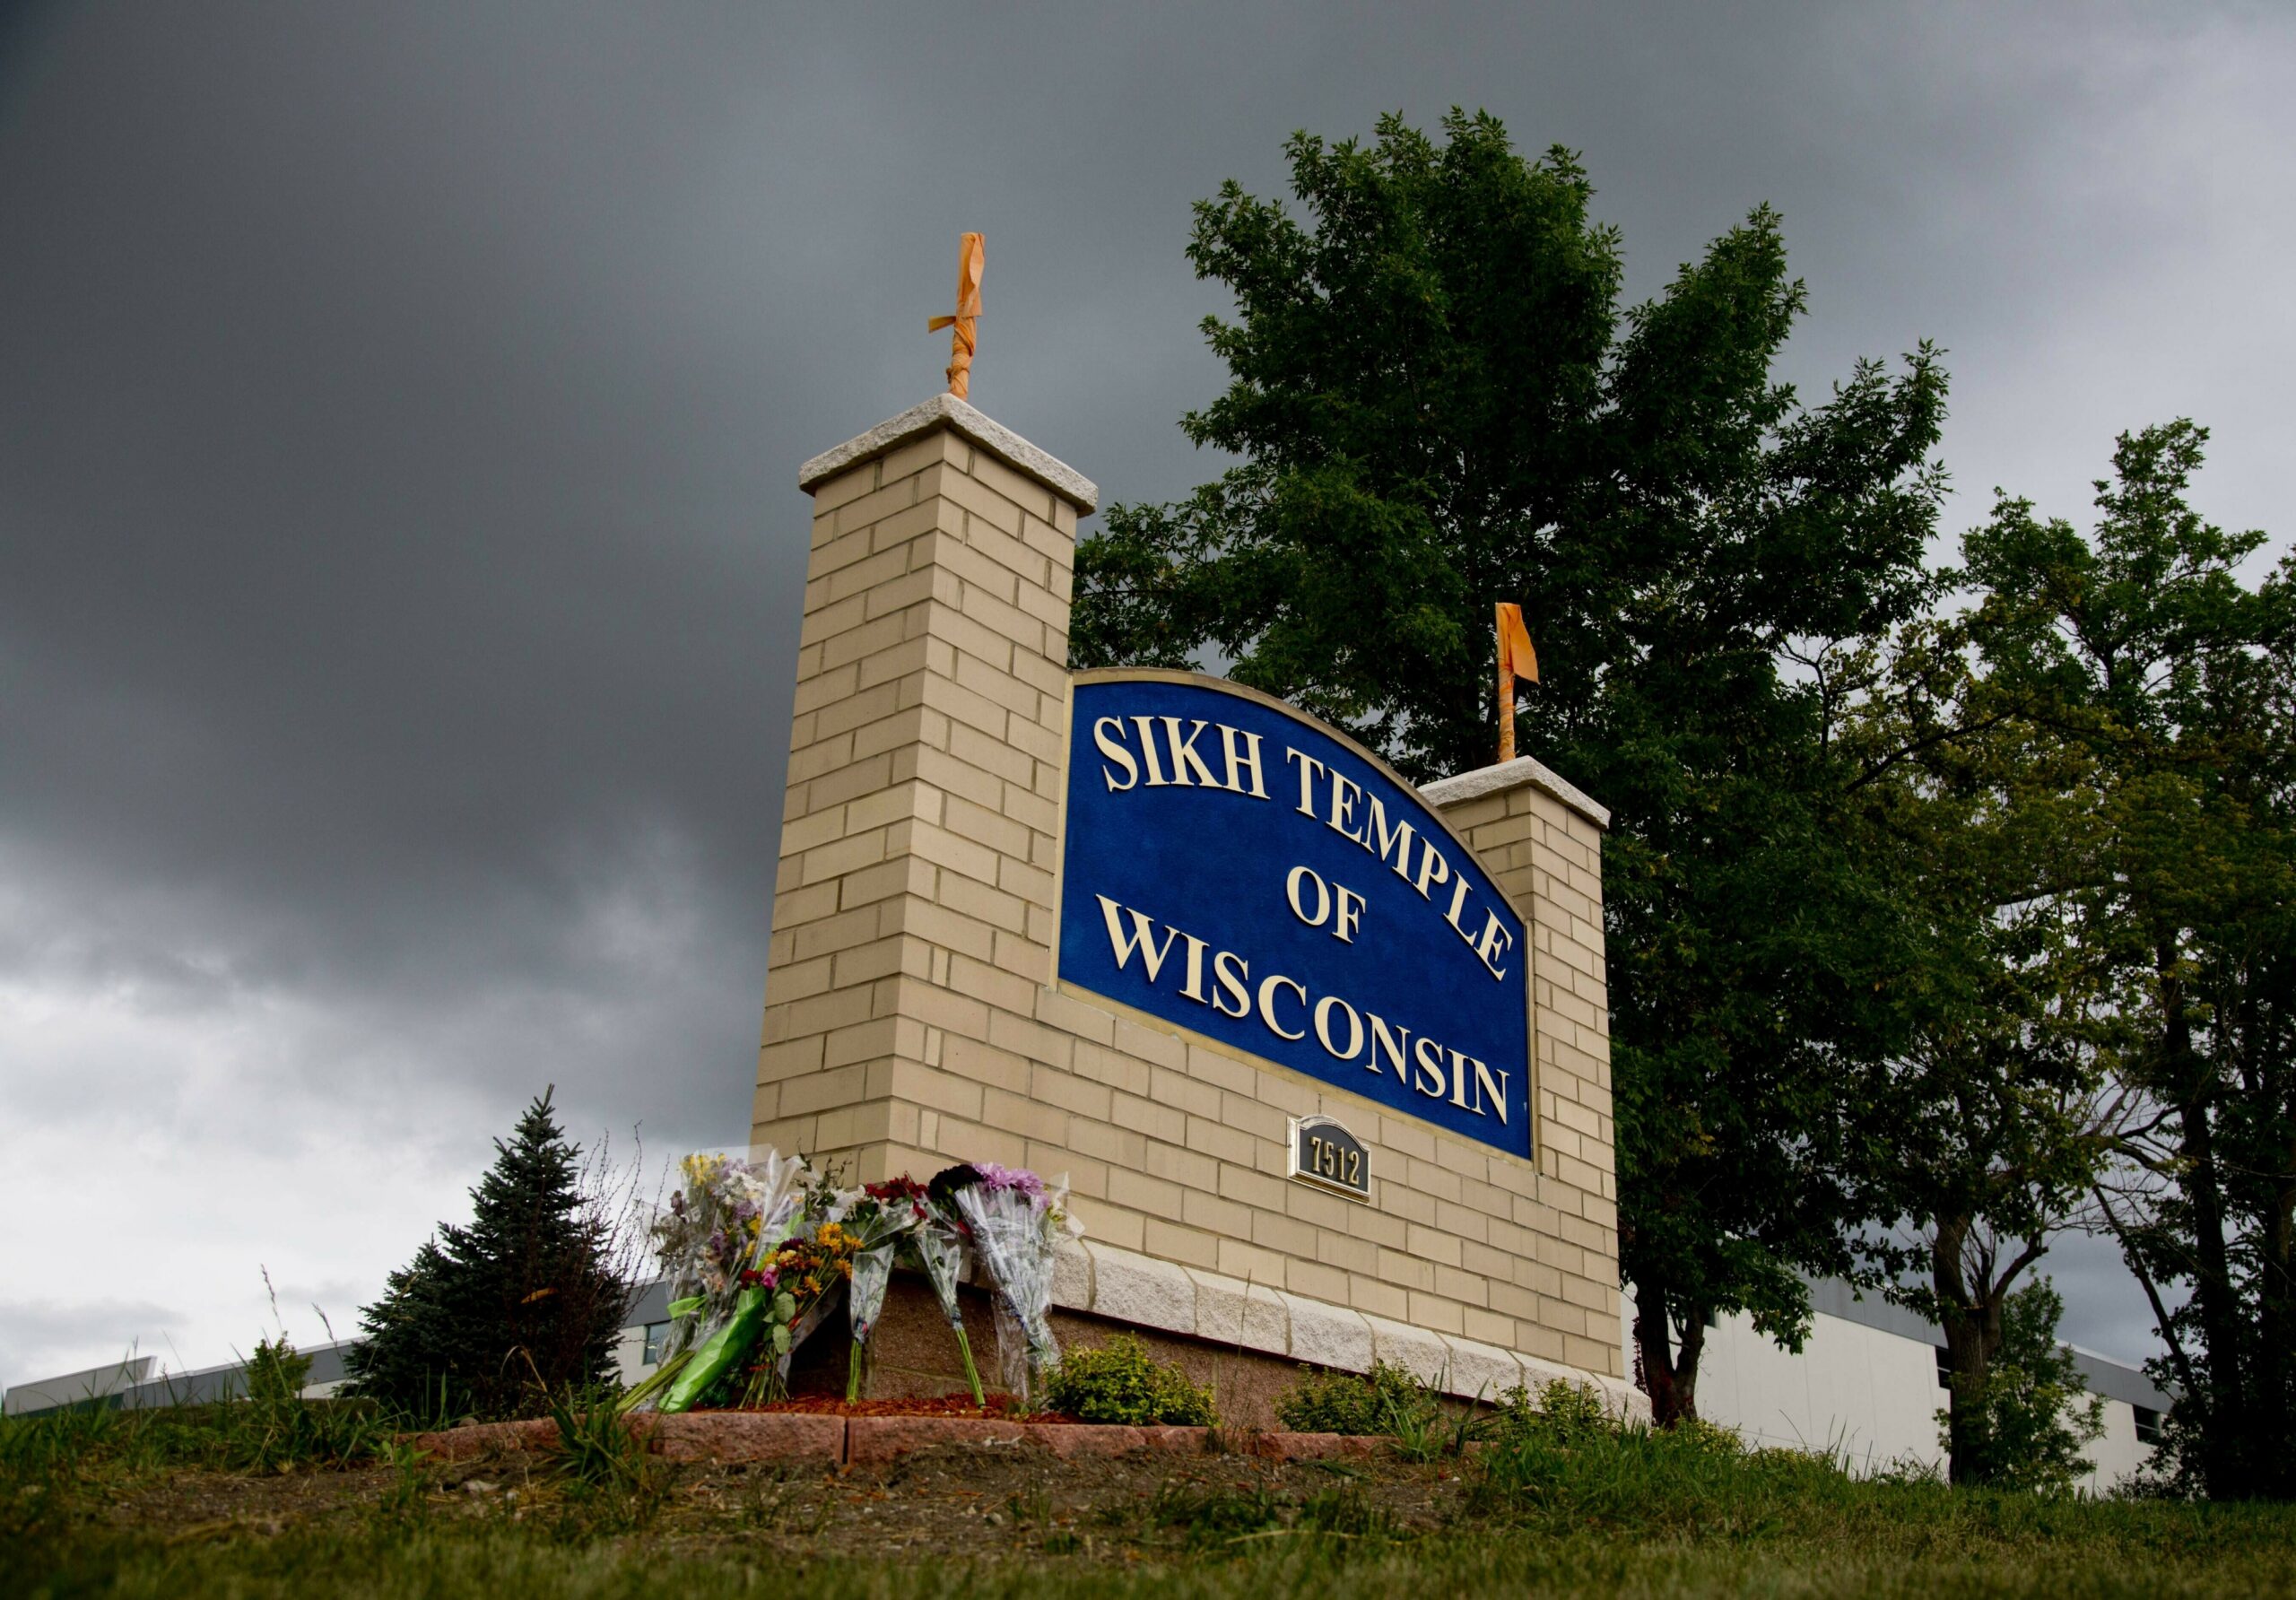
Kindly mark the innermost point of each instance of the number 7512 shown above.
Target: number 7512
(1335, 1161)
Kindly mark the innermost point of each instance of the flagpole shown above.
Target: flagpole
(1506, 688)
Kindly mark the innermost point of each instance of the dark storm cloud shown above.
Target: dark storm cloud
(399, 411)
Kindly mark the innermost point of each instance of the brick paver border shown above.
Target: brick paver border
(876, 1442)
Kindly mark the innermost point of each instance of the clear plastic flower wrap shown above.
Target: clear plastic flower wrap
(937, 1249)
(1016, 1226)
(878, 1218)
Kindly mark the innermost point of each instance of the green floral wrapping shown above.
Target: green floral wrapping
(721, 1352)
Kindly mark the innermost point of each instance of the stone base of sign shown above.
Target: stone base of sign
(1248, 1344)
(914, 1018)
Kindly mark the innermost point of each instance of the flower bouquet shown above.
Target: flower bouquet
(1014, 1225)
(800, 1278)
(730, 1215)
(936, 1246)
(877, 1219)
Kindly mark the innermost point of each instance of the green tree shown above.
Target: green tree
(2142, 641)
(1439, 403)
(524, 1302)
(2001, 1105)
(2027, 1424)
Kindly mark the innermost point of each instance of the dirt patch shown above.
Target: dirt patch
(950, 1501)
(189, 1505)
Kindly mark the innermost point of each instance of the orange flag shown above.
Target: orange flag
(963, 343)
(1515, 644)
(1515, 657)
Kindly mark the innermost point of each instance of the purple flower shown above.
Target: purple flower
(994, 1177)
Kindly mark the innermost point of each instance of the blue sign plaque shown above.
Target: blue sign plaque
(1251, 874)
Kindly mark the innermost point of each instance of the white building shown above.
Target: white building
(1868, 1384)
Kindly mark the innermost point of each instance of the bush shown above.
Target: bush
(273, 1429)
(1383, 1401)
(1121, 1382)
(1566, 1413)
(524, 1303)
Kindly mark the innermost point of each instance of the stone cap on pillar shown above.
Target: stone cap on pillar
(1522, 773)
(946, 410)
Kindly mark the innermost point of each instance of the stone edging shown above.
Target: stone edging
(948, 411)
(875, 1441)
(1125, 1286)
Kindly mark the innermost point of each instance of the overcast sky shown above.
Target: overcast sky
(400, 548)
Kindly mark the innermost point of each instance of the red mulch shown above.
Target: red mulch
(959, 1405)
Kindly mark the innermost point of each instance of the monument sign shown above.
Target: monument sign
(1324, 1057)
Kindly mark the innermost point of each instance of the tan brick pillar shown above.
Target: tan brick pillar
(1541, 839)
(914, 901)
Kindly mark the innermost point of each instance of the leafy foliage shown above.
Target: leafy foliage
(2025, 1426)
(524, 1303)
(1439, 403)
(2142, 645)
(1567, 1413)
(1360, 1404)
(1981, 822)
(1120, 1382)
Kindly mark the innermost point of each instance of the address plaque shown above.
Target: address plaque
(1323, 1153)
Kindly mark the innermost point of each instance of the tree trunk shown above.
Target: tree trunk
(1970, 1316)
(1669, 1375)
(2275, 1331)
(2275, 1395)
(2225, 1419)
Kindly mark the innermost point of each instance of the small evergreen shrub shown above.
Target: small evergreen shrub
(1386, 1400)
(522, 1304)
(1121, 1382)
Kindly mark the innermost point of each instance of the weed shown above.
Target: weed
(1414, 1428)
(1113, 1514)
(612, 1485)
(1212, 1514)
(596, 1446)
(1344, 1509)
(766, 1498)
(1033, 1505)
(406, 1497)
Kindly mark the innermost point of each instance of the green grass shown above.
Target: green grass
(187, 1504)
(2228, 1554)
